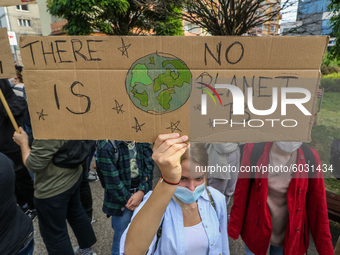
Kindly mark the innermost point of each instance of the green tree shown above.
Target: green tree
(115, 17)
(82, 15)
(229, 17)
(334, 8)
(170, 24)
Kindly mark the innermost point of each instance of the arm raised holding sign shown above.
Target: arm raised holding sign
(181, 215)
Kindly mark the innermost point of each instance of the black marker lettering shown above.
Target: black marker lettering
(263, 87)
(204, 77)
(80, 95)
(246, 112)
(47, 53)
(218, 48)
(227, 53)
(233, 82)
(60, 51)
(245, 84)
(73, 41)
(56, 96)
(88, 47)
(30, 45)
(1, 70)
(286, 77)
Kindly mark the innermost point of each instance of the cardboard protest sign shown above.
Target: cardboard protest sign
(16, 2)
(6, 59)
(134, 88)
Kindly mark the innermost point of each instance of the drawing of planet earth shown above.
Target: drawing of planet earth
(158, 83)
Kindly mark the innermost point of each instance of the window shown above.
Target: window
(24, 23)
(326, 27)
(272, 28)
(191, 28)
(22, 7)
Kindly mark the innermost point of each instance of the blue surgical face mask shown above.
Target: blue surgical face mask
(289, 146)
(187, 196)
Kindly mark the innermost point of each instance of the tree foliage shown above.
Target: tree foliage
(115, 17)
(83, 16)
(170, 24)
(334, 8)
(230, 17)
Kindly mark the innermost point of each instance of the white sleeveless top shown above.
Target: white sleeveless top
(196, 240)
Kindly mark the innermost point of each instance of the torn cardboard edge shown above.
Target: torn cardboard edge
(7, 69)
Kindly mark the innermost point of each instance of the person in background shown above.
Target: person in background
(127, 169)
(23, 181)
(85, 189)
(224, 155)
(275, 210)
(181, 215)
(16, 228)
(56, 197)
(17, 82)
(18, 88)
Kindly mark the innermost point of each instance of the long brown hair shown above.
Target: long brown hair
(18, 70)
(196, 153)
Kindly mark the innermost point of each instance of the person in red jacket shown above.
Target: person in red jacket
(275, 210)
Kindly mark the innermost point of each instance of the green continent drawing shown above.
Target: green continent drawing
(158, 83)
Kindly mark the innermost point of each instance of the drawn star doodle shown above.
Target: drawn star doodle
(118, 107)
(174, 126)
(138, 127)
(197, 107)
(124, 48)
(211, 124)
(41, 115)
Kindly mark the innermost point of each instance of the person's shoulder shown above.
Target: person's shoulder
(219, 200)
(52, 142)
(216, 194)
(104, 144)
(315, 153)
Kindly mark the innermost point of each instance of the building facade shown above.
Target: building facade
(24, 20)
(270, 11)
(314, 17)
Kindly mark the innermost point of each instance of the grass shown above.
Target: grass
(326, 130)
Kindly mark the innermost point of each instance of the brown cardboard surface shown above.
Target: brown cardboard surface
(6, 59)
(16, 2)
(81, 87)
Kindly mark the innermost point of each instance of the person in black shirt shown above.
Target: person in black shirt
(16, 228)
(23, 181)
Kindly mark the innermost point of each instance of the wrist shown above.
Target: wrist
(24, 145)
(141, 192)
(174, 182)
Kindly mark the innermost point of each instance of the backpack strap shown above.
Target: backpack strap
(101, 144)
(310, 160)
(255, 156)
(115, 150)
(211, 200)
(159, 234)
